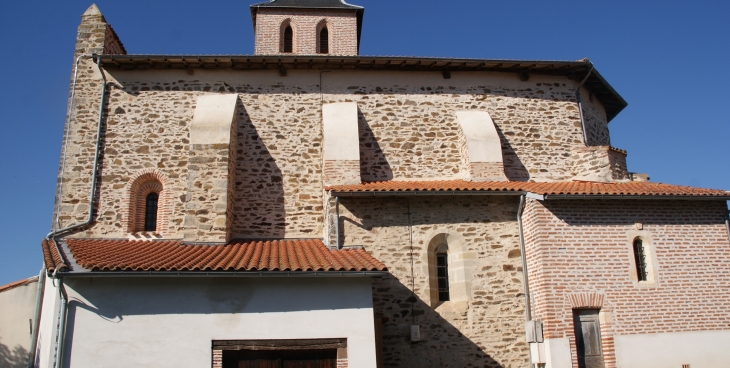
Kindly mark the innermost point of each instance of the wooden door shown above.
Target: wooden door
(588, 338)
(280, 359)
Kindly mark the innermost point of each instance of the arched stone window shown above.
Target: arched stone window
(449, 275)
(147, 207)
(287, 37)
(643, 266)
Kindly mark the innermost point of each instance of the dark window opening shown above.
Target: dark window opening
(150, 212)
(324, 41)
(442, 274)
(640, 259)
(288, 39)
(325, 358)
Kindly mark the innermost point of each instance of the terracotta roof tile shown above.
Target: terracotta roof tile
(51, 257)
(18, 283)
(556, 188)
(252, 255)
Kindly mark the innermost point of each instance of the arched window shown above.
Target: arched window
(324, 41)
(150, 212)
(288, 40)
(640, 259)
(442, 275)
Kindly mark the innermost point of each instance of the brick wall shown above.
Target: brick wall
(341, 24)
(579, 255)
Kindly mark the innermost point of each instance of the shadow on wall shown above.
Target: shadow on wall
(441, 345)
(514, 169)
(373, 164)
(258, 201)
(613, 212)
(16, 358)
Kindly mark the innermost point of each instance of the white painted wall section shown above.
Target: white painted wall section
(341, 137)
(212, 119)
(557, 353)
(17, 306)
(703, 349)
(171, 322)
(481, 134)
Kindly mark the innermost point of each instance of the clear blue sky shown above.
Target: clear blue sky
(668, 59)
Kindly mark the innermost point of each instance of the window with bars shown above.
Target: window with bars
(324, 42)
(288, 39)
(442, 274)
(150, 212)
(640, 259)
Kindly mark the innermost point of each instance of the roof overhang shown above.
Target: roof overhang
(267, 274)
(575, 70)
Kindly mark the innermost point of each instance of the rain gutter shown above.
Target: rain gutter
(226, 274)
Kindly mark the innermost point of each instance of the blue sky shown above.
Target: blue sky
(668, 59)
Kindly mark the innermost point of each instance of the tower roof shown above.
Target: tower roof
(311, 4)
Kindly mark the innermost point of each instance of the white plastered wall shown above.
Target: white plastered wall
(16, 309)
(341, 137)
(481, 136)
(212, 119)
(702, 349)
(171, 322)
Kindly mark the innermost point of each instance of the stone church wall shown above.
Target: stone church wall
(484, 330)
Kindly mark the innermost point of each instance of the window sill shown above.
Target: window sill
(145, 235)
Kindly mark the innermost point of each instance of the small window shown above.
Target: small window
(288, 39)
(324, 41)
(150, 212)
(640, 259)
(442, 274)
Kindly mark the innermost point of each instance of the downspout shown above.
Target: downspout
(580, 103)
(61, 329)
(96, 160)
(337, 223)
(37, 315)
(526, 286)
(727, 224)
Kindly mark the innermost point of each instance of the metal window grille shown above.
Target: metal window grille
(288, 39)
(150, 212)
(324, 42)
(442, 274)
(640, 259)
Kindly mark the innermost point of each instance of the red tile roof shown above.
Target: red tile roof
(18, 283)
(555, 188)
(251, 255)
(51, 256)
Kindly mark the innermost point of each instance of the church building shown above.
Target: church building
(306, 206)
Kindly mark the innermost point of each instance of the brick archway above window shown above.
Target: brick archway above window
(146, 182)
(586, 300)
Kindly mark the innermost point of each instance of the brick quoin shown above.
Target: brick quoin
(579, 256)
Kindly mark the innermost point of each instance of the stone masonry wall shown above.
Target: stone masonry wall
(341, 25)
(595, 121)
(580, 249)
(407, 131)
(489, 332)
(599, 163)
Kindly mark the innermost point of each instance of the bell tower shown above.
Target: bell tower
(307, 27)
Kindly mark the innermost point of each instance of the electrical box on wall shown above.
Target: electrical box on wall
(415, 333)
(533, 330)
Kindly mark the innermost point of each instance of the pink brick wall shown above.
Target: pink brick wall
(341, 24)
(579, 256)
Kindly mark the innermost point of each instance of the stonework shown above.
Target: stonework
(599, 163)
(488, 330)
(267, 179)
(305, 23)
